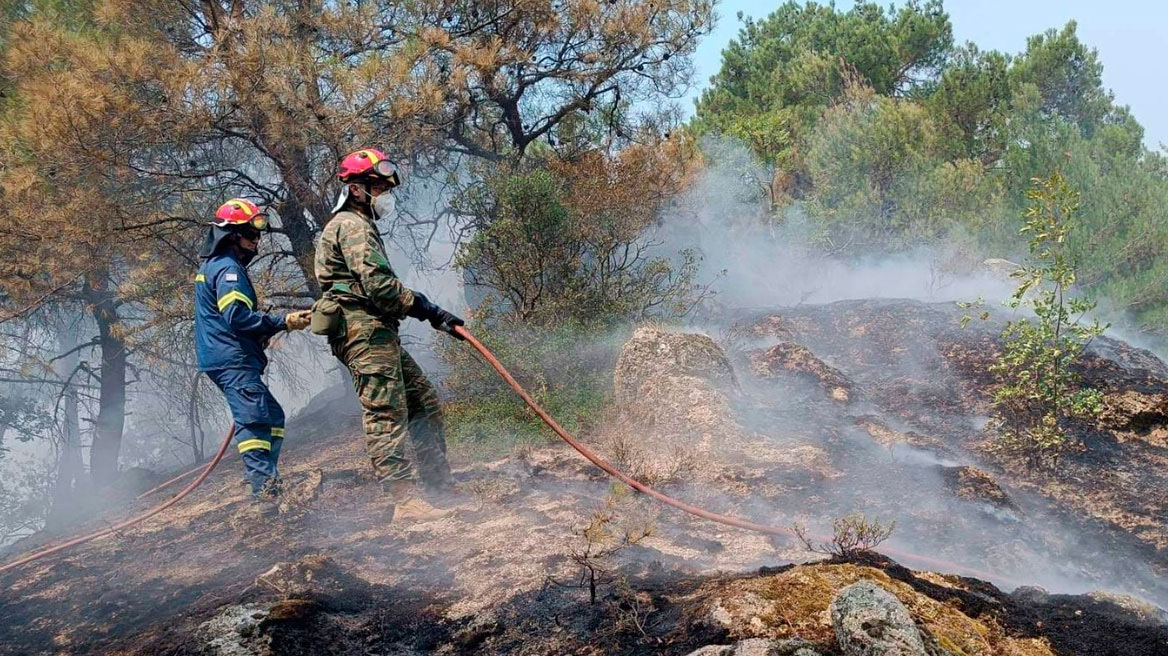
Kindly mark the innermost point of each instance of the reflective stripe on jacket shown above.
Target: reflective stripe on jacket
(230, 333)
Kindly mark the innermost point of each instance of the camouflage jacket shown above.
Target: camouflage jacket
(351, 267)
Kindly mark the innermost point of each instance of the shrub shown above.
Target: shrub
(852, 535)
(567, 369)
(1038, 392)
(616, 524)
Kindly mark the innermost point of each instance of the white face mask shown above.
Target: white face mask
(384, 205)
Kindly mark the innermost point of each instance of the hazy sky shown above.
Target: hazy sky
(1130, 35)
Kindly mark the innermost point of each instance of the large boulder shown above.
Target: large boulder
(653, 354)
(676, 388)
(870, 621)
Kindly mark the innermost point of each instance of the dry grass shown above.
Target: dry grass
(488, 491)
(796, 602)
(298, 492)
(649, 461)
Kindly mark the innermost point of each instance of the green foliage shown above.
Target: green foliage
(489, 426)
(563, 256)
(547, 263)
(567, 368)
(512, 252)
(1039, 392)
(782, 72)
(971, 103)
(21, 416)
(1123, 222)
(1068, 75)
(882, 180)
(801, 54)
(877, 128)
(24, 497)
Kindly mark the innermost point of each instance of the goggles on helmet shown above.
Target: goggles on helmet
(237, 213)
(387, 170)
(367, 163)
(259, 223)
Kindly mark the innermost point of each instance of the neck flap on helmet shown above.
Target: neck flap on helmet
(214, 241)
(342, 198)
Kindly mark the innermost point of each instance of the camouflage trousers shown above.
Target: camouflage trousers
(398, 401)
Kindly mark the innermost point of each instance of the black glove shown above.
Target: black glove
(424, 310)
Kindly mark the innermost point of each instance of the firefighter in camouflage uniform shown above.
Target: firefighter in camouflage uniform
(362, 305)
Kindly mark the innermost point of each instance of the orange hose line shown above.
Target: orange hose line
(727, 520)
(37, 555)
(163, 486)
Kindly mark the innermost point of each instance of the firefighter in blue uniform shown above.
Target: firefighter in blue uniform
(230, 337)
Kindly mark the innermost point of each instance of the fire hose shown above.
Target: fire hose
(719, 518)
(37, 555)
(583, 450)
(166, 484)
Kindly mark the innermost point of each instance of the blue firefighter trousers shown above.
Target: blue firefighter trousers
(259, 422)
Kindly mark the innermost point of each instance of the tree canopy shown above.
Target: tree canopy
(124, 124)
(888, 135)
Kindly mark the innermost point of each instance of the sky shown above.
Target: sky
(1130, 35)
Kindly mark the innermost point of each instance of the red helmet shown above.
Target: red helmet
(369, 162)
(237, 212)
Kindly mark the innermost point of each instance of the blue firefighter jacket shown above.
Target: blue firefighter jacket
(229, 332)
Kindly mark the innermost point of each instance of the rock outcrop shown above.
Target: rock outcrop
(791, 359)
(800, 603)
(759, 647)
(869, 621)
(677, 387)
(922, 372)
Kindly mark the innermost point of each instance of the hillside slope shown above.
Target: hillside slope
(803, 434)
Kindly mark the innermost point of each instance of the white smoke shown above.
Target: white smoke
(754, 262)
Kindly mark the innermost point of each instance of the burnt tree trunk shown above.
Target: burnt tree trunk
(111, 411)
(302, 238)
(303, 212)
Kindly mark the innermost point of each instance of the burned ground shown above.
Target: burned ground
(497, 576)
(927, 379)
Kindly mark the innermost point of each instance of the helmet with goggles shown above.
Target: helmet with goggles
(368, 163)
(235, 217)
(237, 213)
(366, 167)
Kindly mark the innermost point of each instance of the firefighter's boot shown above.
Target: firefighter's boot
(265, 503)
(408, 503)
(443, 492)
